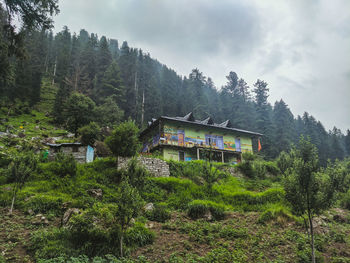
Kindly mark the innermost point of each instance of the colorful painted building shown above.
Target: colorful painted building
(186, 139)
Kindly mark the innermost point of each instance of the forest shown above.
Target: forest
(288, 202)
(122, 82)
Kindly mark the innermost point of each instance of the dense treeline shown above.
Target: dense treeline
(116, 83)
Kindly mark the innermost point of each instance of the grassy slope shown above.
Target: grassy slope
(241, 237)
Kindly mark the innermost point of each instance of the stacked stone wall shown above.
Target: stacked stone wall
(157, 167)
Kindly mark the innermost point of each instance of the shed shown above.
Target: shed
(81, 153)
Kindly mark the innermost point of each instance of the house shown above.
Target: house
(186, 139)
(81, 153)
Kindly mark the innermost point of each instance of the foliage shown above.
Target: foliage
(138, 236)
(135, 174)
(160, 213)
(89, 133)
(278, 214)
(124, 140)
(129, 206)
(78, 111)
(109, 113)
(64, 165)
(308, 191)
(199, 208)
(19, 170)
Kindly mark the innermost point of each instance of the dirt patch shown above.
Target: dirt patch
(15, 233)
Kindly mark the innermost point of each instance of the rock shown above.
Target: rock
(68, 214)
(37, 127)
(3, 134)
(40, 220)
(340, 218)
(132, 221)
(65, 205)
(150, 225)
(70, 135)
(50, 140)
(208, 216)
(96, 193)
(148, 207)
(30, 212)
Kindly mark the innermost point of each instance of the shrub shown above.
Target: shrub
(278, 214)
(44, 203)
(89, 133)
(199, 208)
(272, 168)
(138, 236)
(64, 165)
(160, 213)
(345, 200)
(231, 233)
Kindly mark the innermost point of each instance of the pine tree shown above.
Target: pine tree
(347, 142)
(104, 57)
(111, 84)
(263, 122)
(284, 126)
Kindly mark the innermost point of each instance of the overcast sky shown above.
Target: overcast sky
(300, 48)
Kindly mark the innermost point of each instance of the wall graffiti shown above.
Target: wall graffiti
(173, 136)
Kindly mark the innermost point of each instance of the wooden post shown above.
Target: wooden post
(197, 153)
(222, 157)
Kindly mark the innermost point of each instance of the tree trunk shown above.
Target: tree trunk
(13, 200)
(143, 107)
(54, 72)
(121, 245)
(312, 238)
(306, 228)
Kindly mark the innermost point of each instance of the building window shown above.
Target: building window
(181, 156)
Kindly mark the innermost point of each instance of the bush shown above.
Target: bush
(345, 200)
(160, 213)
(278, 214)
(89, 133)
(64, 165)
(199, 208)
(272, 168)
(138, 236)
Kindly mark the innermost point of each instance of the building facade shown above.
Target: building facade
(186, 139)
(81, 153)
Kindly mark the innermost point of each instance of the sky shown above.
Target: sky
(300, 48)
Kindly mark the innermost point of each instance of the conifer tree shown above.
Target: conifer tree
(284, 126)
(111, 84)
(263, 118)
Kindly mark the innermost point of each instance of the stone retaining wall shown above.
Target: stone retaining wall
(157, 167)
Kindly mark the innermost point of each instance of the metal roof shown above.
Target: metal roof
(208, 122)
(66, 144)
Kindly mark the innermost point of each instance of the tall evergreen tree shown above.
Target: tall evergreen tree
(263, 114)
(284, 126)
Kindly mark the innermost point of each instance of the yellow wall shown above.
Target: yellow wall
(195, 136)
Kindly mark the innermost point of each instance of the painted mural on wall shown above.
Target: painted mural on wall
(151, 142)
(173, 136)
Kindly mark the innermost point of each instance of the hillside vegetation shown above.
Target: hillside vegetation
(201, 213)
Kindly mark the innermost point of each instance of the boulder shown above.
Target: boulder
(149, 207)
(30, 212)
(96, 193)
(208, 216)
(68, 214)
(40, 220)
(340, 218)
